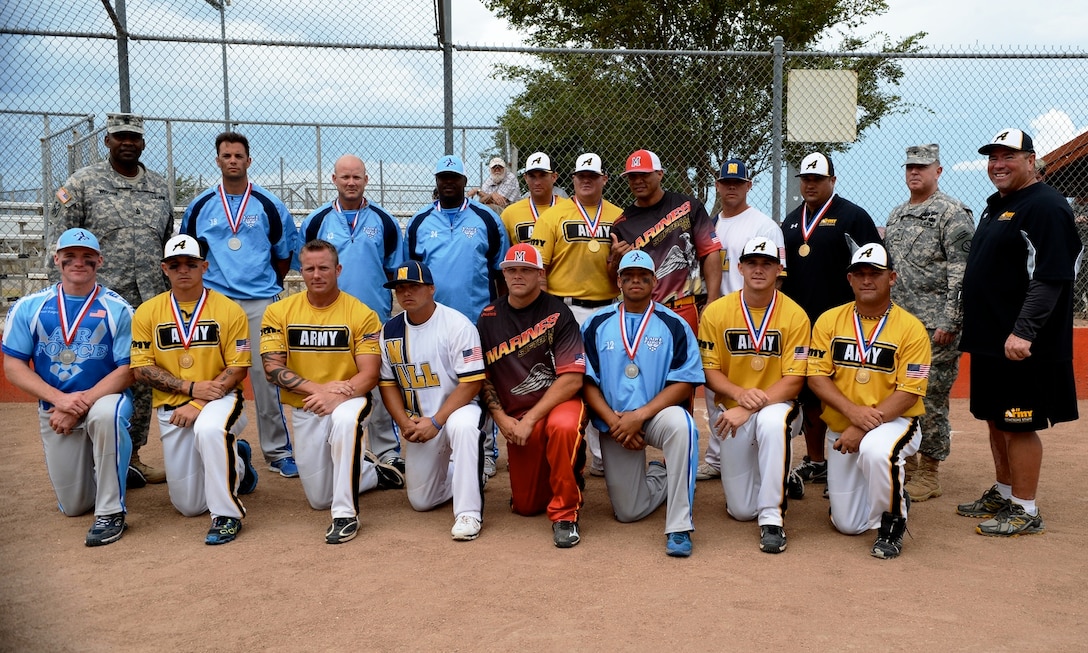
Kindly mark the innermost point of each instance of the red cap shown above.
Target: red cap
(642, 161)
(522, 255)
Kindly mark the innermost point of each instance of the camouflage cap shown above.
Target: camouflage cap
(117, 123)
(923, 155)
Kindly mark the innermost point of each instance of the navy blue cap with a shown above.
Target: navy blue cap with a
(411, 272)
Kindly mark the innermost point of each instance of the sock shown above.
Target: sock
(1028, 505)
(1004, 490)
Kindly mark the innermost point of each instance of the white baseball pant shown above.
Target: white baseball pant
(448, 466)
(329, 454)
(755, 463)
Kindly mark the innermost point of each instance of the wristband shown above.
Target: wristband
(196, 405)
(436, 424)
(192, 384)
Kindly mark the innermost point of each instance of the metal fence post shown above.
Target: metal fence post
(171, 175)
(320, 179)
(776, 131)
(47, 162)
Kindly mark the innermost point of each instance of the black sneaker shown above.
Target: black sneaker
(249, 478)
(135, 478)
(889, 539)
(566, 533)
(343, 529)
(811, 472)
(772, 539)
(223, 530)
(107, 529)
(390, 476)
(795, 486)
(988, 505)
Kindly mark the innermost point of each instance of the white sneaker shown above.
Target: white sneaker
(465, 528)
(489, 467)
(705, 472)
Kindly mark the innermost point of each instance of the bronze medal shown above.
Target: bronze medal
(186, 360)
(862, 376)
(804, 250)
(594, 246)
(67, 356)
(757, 363)
(235, 244)
(631, 371)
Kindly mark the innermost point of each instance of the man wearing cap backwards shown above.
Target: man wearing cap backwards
(321, 348)
(642, 364)
(191, 344)
(735, 225)
(499, 189)
(432, 371)
(128, 207)
(1018, 328)
(820, 237)
(368, 241)
(868, 363)
(929, 237)
(465, 241)
(520, 217)
(754, 344)
(535, 362)
(250, 238)
(69, 347)
(676, 232)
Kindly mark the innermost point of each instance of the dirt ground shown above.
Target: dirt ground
(404, 585)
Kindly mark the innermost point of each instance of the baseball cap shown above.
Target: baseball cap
(411, 272)
(1014, 139)
(589, 162)
(117, 123)
(760, 246)
(637, 258)
(538, 161)
(522, 255)
(78, 238)
(872, 254)
(182, 245)
(816, 164)
(496, 161)
(642, 161)
(923, 155)
(734, 169)
(450, 163)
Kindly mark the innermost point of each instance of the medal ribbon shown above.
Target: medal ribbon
(186, 331)
(806, 228)
(69, 332)
(592, 226)
(438, 205)
(631, 350)
(532, 207)
(235, 222)
(859, 334)
(758, 336)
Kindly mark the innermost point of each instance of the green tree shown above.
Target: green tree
(693, 110)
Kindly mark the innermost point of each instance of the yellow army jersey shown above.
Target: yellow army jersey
(899, 359)
(220, 340)
(562, 237)
(726, 345)
(321, 343)
(519, 220)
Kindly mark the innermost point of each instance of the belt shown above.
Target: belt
(586, 303)
(683, 301)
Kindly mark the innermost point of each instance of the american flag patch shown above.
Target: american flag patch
(472, 355)
(800, 353)
(99, 313)
(916, 371)
(372, 336)
(241, 345)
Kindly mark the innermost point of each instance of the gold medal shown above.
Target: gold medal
(235, 244)
(804, 250)
(67, 356)
(594, 246)
(862, 376)
(186, 360)
(757, 363)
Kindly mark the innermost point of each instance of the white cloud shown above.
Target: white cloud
(978, 164)
(1052, 130)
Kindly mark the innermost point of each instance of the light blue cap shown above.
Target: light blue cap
(637, 258)
(78, 238)
(450, 163)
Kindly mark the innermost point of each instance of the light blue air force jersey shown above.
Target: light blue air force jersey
(463, 249)
(267, 232)
(103, 342)
(667, 353)
(369, 253)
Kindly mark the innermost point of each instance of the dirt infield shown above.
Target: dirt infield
(404, 585)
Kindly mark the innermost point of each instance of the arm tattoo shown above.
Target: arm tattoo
(490, 396)
(160, 379)
(280, 375)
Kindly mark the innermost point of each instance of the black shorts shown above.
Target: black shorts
(1019, 396)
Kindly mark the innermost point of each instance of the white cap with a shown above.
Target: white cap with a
(182, 245)
(538, 161)
(872, 254)
(589, 162)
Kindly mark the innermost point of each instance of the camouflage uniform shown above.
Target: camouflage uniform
(929, 243)
(132, 219)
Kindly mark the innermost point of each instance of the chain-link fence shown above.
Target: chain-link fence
(309, 81)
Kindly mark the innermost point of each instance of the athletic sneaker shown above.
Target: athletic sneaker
(811, 472)
(1012, 521)
(465, 528)
(135, 478)
(490, 468)
(396, 461)
(772, 539)
(596, 468)
(249, 478)
(795, 487)
(706, 471)
(889, 539)
(389, 476)
(678, 545)
(223, 530)
(107, 529)
(989, 504)
(285, 466)
(566, 533)
(343, 529)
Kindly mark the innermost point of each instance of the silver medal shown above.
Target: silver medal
(631, 371)
(235, 244)
(67, 356)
